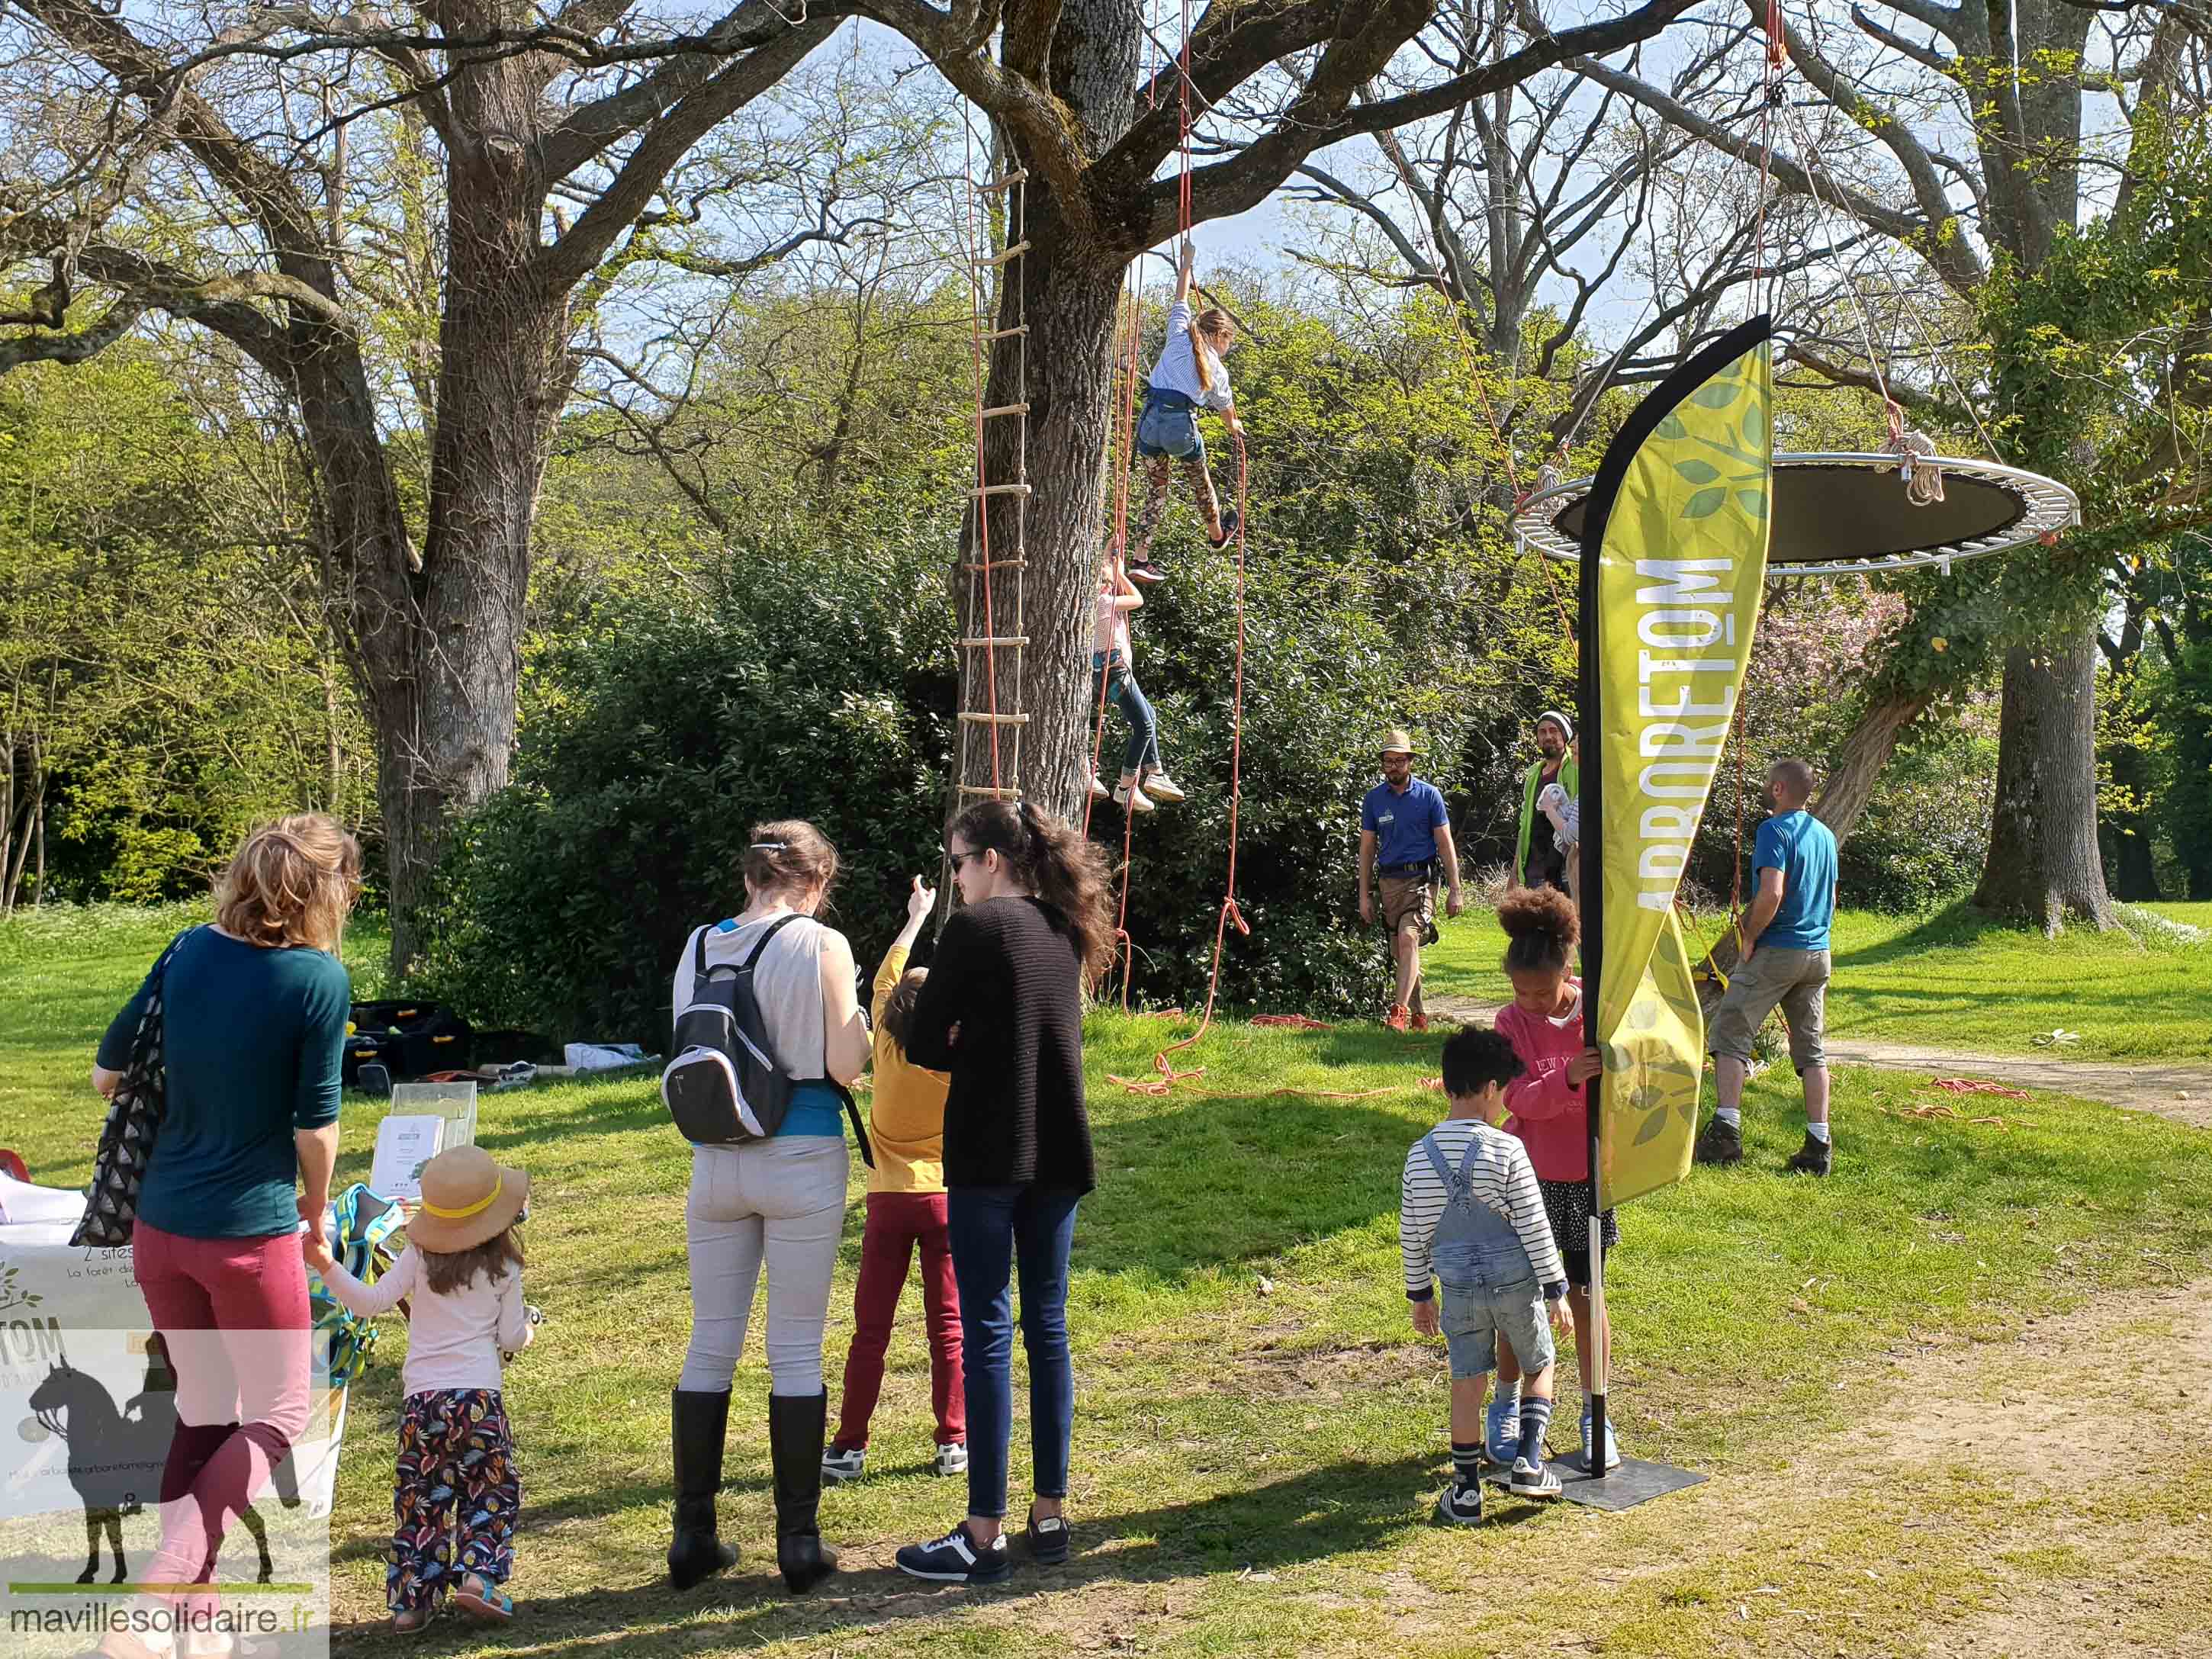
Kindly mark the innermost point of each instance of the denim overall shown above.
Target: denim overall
(1476, 1249)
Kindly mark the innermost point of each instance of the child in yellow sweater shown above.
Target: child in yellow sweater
(905, 1207)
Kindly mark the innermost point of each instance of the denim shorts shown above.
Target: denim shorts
(1169, 429)
(1474, 1316)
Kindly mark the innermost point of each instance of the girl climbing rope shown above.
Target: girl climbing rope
(1113, 660)
(1190, 376)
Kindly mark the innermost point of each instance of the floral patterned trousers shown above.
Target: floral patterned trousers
(456, 1473)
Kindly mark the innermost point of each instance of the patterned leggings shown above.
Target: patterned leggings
(456, 1465)
(1156, 500)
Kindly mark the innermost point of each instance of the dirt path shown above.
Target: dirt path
(2024, 1497)
(2180, 1091)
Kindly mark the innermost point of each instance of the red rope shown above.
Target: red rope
(1229, 912)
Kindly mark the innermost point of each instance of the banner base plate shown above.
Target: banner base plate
(1631, 1482)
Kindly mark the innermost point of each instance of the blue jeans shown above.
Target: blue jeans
(1143, 748)
(993, 1230)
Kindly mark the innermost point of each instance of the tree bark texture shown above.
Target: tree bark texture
(2043, 868)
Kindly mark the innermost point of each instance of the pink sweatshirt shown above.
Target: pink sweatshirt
(1552, 1118)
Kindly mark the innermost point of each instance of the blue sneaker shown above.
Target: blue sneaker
(956, 1558)
(1612, 1445)
(1501, 1439)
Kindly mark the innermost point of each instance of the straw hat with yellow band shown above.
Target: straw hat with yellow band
(467, 1200)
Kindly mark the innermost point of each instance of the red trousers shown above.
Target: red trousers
(233, 1316)
(896, 1223)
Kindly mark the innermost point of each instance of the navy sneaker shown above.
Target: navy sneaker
(1534, 1480)
(1048, 1539)
(1462, 1504)
(956, 1558)
(1230, 522)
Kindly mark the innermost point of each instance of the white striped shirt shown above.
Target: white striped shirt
(1177, 368)
(1502, 1178)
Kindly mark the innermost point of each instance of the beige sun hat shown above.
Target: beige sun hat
(467, 1199)
(1399, 741)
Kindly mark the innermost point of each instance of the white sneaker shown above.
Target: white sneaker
(1098, 789)
(841, 1466)
(1160, 787)
(1136, 800)
(953, 1459)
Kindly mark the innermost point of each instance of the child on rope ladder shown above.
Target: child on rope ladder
(1190, 376)
(1144, 780)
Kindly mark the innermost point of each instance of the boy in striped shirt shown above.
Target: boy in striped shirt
(1471, 1218)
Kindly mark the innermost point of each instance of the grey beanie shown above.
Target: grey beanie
(1566, 727)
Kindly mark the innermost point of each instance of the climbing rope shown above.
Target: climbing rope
(1230, 914)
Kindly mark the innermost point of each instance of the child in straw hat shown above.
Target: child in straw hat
(462, 1276)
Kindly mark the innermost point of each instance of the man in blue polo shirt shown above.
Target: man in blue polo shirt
(1794, 862)
(1404, 835)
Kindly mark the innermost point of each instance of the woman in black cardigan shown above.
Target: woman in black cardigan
(1002, 1012)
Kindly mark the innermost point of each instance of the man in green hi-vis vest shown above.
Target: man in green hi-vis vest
(1540, 861)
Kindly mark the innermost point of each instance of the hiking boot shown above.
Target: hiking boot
(1814, 1157)
(1534, 1480)
(1400, 1018)
(1461, 1506)
(1720, 1143)
(841, 1463)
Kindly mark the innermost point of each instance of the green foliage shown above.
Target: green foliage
(811, 681)
(164, 678)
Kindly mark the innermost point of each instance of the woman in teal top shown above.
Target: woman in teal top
(254, 1017)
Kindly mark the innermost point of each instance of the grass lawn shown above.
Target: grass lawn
(1953, 980)
(1259, 1434)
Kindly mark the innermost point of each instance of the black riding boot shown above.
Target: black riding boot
(796, 1424)
(697, 1423)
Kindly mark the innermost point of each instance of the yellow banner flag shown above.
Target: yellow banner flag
(1681, 567)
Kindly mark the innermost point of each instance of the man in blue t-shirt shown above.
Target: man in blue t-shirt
(1786, 962)
(1404, 835)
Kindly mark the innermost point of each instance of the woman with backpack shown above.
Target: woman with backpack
(779, 1200)
(1002, 1012)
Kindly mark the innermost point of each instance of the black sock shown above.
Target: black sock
(1535, 1419)
(1466, 1463)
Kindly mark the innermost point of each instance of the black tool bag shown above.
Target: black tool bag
(723, 1087)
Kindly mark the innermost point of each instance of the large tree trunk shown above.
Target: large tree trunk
(2042, 867)
(1071, 303)
(436, 640)
(1069, 297)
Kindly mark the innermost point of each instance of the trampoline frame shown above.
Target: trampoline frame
(2046, 507)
